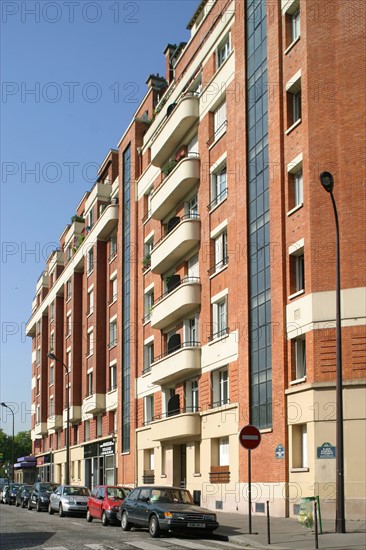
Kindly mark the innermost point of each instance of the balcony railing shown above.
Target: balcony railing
(217, 133)
(219, 198)
(185, 280)
(222, 263)
(148, 478)
(181, 410)
(189, 344)
(219, 334)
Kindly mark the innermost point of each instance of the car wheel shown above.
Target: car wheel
(61, 512)
(29, 505)
(23, 503)
(50, 511)
(89, 517)
(38, 506)
(16, 504)
(126, 526)
(154, 528)
(105, 521)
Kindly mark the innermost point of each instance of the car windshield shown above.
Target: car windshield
(76, 491)
(117, 493)
(46, 488)
(15, 487)
(172, 496)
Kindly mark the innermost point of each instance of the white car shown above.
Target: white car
(68, 500)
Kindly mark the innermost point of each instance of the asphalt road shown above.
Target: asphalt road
(24, 529)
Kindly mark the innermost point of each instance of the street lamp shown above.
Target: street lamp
(327, 182)
(52, 356)
(12, 442)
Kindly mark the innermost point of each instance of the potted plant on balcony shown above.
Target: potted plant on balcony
(168, 167)
(146, 261)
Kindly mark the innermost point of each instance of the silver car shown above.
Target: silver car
(69, 499)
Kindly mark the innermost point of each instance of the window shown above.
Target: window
(38, 356)
(90, 349)
(191, 207)
(38, 386)
(218, 186)
(52, 311)
(90, 261)
(293, 89)
(148, 409)
(68, 360)
(295, 25)
(192, 396)
(292, 23)
(224, 459)
(90, 219)
(68, 289)
(99, 425)
(219, 315)
(38, 416)
(51, 407)
(112, 334)
(148, 305)
(68, 253)
(221, 257)
(191, 331)
(52, 341)
(192, 147)
(298, 188)
(220, 387)
(89, 383)
(148, 356)
(299, 345)
(299, 446)
(220, 120)
(87, 430)
(148, 247)
(90, 302)
(113, 287)
(295, 176)
(297, 268)
(68, 325)
(52, 371)
(112, 247)
(113, 377)
(223, 51)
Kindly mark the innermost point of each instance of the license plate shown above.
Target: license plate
(197, 525)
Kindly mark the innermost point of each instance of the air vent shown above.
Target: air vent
(259, 507)
(219, 505)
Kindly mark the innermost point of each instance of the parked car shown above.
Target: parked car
(165, 509)
(4, 492)
(39, 496)
(104, 503)
(22, 495)
(12, 493)
(69, 499)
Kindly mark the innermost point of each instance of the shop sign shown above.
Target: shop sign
(106, 448)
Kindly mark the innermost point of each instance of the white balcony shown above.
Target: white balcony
(40, 429)
(94, 403)
(177, 304)
(54, 422)
(175, 187)
(178, 426)
(42, 282)
(170, 134)
(74, 233)
(102, 229)
(178, 365)
(111, 402)
(75, 414)
(99, 191)
(174, 246)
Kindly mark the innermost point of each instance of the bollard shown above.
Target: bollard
(316, 523)
(268, 525)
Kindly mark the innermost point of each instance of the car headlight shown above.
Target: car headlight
(168, 515)
(115, 508)
(43, 498)
(178, 515)
(210, 517)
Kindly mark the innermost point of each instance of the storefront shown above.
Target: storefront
(100, 463)
(44, 467)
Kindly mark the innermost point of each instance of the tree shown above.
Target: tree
(22, 447)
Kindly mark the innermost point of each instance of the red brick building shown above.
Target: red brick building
(194, 291)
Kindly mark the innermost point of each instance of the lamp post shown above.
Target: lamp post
(327, 182)
(52, 356)
(12, 441)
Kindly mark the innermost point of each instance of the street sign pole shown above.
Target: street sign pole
(250, 489)
(249, 438)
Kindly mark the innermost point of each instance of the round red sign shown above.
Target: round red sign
(249, 437)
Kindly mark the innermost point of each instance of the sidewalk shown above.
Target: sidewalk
(288, 534)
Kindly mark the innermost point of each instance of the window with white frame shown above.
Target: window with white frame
(51, 407)
(87, 430)
(52, 341)
(68, 360)
(148, 305)
(69, 253)
(148, 248)
(68, 289)
(52, 311)
(297, 268)
(218, 186)
(89, 383)
(90, 261)
(113, 333)
(191, 207)
(192, 147)
(90, 301)
(299, 350)
(295, 25)
(220, 120)
(219, 318)
(113, 376)
(191, 331)
(90, 349)
(99, 425)
(224, 456)
(38, 358)
(113, 289)
(192, 396)
(223, 51)
(148, 356)
(90, 218)
(68, 325)
(148, 408)
(220, 245)
(220, 387)
(52, 374)
(112, 247)
(299, 446)
(295, 178)
(293, 89)
(38, 385)
(38, 415)
(298, 188)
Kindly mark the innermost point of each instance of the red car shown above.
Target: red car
(104, 503)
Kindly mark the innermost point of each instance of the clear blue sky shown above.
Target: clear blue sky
(87, 64)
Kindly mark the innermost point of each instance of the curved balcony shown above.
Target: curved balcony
(180, 426)
(176, 244)
(94, 403)
(54, 422)
(178, 122)
(175, 186)
(179, 364)
(177, 303)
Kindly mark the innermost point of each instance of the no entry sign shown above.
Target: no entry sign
(249, 437)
